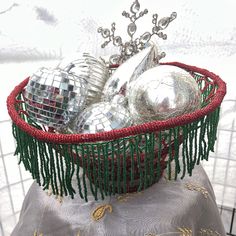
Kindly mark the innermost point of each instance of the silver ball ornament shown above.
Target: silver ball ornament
(100, 117)
(91, 69)
(163, 92)
(54, 97)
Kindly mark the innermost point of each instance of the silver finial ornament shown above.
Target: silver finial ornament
(126, 74)
(133, 46)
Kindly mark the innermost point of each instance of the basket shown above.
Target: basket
(118, 161)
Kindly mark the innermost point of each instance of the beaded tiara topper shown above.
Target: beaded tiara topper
(133, 46)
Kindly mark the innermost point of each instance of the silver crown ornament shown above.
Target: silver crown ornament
(135, 45)
(163, 92)
(93, 70)
(53, 97)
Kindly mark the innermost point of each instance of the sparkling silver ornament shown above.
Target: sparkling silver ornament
(163, 92)
(128, 72)
(91, 69)
(130, 48)
(100, 117)
(54, 97)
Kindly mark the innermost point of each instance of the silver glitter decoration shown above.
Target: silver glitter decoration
(92, 70)
(100, 117)
(54, 97)
(128, 72)
(163, 92)
(133, 46)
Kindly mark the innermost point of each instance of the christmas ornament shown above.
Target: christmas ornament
(100, 117)
(132, 47)
(129, 71)
(163, 92)
(94, 71)
(53, 97)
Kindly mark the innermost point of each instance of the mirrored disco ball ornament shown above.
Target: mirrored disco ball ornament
(54, 97)
(100, 117)
(163, 92)
(128, 72)
(92, 70)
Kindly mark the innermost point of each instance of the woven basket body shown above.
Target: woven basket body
(118, 161)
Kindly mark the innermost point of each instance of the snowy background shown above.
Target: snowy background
(37, 33)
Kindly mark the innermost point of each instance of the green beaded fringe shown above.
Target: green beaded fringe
(117, 166)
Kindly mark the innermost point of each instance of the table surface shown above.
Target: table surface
(183, 207)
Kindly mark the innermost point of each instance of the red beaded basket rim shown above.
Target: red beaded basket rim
(124, 132)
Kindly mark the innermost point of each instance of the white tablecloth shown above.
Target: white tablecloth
(183, 207)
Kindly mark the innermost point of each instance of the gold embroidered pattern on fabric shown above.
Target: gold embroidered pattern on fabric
(166, 176)
(197, 187)
(208, 232)
(49, 191)
(185, 231)
(100, 211)
(59, 198)
(182, 231)
(78, 234)
(37, 234)
(127, 196)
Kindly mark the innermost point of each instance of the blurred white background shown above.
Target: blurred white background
(36, 33)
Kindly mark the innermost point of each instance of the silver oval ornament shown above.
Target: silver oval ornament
(92, 70)
(54, 97)
(163, 92)
(129, 71)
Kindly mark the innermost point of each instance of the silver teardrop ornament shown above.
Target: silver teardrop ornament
(129, 71)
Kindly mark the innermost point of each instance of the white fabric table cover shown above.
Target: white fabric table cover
(183, 207)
